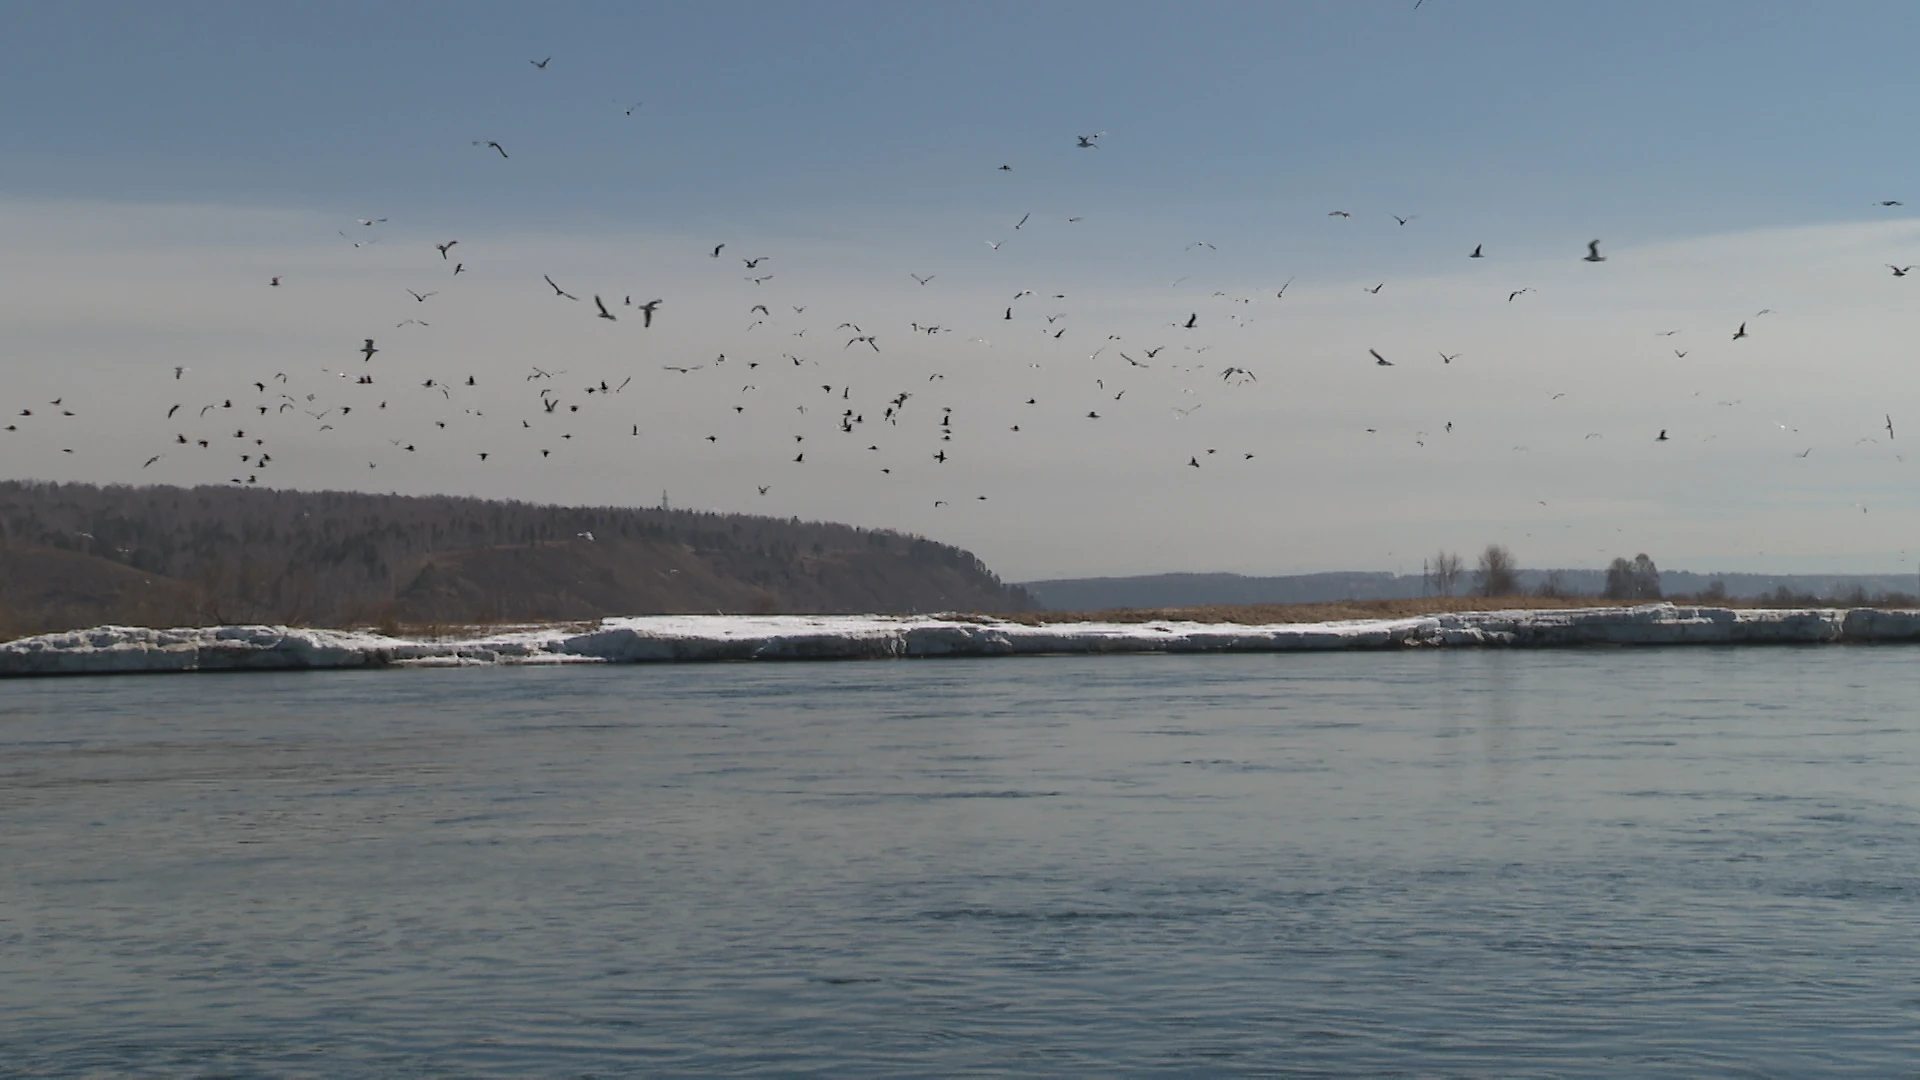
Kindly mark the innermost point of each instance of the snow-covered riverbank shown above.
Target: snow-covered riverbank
(119, 649)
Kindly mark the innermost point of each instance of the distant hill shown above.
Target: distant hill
(1203, 590)
(77, 555)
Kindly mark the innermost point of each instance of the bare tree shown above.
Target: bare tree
(1619, 580)
(1638, 579)
(1445, 572)
(1496, 576)
(1646, 578)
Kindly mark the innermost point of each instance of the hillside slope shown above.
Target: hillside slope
(580, 578)
(46, 588)
(77, 555)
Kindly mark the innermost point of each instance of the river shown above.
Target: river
(1656, 862)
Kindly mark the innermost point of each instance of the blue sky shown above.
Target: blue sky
(1730, 155)
(1647, 117)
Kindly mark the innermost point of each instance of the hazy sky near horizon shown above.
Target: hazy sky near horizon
(160, 166)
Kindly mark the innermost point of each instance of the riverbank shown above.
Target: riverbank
(698, 638)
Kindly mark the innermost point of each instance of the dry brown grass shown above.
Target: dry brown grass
(1258, 614)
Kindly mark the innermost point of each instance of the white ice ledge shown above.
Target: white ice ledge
(120, 649)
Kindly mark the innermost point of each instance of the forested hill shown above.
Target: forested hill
(75, 555)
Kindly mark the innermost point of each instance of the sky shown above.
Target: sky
(160, 167)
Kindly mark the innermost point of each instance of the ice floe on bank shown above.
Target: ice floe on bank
(126, 649)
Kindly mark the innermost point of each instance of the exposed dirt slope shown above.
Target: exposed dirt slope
(41, 588)
(581, 579)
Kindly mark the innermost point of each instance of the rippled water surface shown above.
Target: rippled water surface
(1687, 862)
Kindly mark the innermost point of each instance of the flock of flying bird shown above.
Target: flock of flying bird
(234, 433)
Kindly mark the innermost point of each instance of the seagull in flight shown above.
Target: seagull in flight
(1593, 252)
(490, 142)
(604, 313)
(421, 297)
(646, 312)
(1517, 292)
(557, 290)
(1380, 360)
(367, 350)
(443, 248)
(1086, 141)
(1476, 252)
(922, 280)
(1740, 333)
(1898, 271)
(1403, 220)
